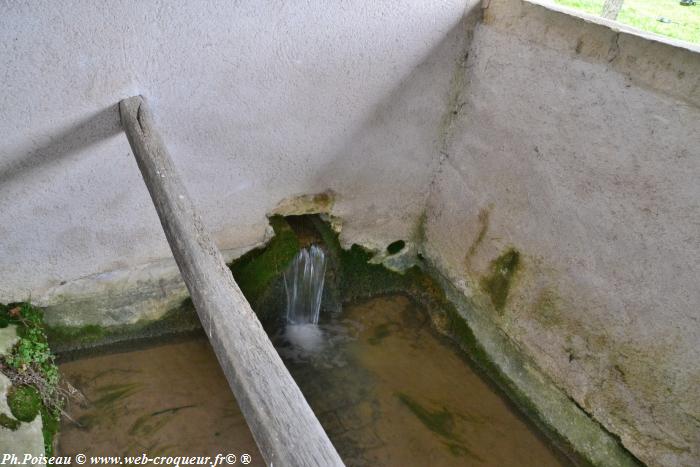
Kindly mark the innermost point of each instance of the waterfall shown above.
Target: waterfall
(303, 283)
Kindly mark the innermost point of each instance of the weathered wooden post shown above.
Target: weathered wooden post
(283, 425)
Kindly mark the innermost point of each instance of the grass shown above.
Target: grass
(644, 14)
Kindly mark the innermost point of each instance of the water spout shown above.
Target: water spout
(303, 283)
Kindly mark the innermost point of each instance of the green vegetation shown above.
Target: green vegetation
(9, 422)
(148, 424)
(683, 21)
(497, 284)
(31, 368)
(355, 276)
(32, 350)
(111, 393)
(255, 271)
(182, 318)
(25, 402)
(76, 334)
(438, 421)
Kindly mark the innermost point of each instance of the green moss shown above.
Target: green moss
(24, 402)
(51, 421)
(32, 351)
(182, 318)
(360, 279)
(440, 422)
(255, 271)
(79, 334)
(498, 282)
(148, 424)
(111, 393)
(357, 278)
(9, 422)
(329, 237)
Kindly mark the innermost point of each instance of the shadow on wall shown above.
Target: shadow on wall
(402, 136)
(82, 135)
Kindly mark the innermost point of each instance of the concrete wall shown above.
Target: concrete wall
(578, 146)
(571, 142)
(258, 101)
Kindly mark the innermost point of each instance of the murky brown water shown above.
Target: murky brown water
(169, 400)
(388, 391)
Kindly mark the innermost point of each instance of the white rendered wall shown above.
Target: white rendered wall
(580, 147)
(257, 100)
(580, 142)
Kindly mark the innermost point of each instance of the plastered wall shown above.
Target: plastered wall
(578, 147)
(258, 101)
(571, 143)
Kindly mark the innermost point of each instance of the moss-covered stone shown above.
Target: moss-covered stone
(256, 270)
(33, 351)
(79, 335)
(179, 320)
(9, 422)
(498, 282)
(355, 277)
(24, 402)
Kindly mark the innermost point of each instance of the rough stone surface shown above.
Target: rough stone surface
(28, 438)
(8, 338)
(578, 146)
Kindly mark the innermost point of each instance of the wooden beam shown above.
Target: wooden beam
(283, 425)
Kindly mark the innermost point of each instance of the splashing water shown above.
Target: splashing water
(303, 283)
